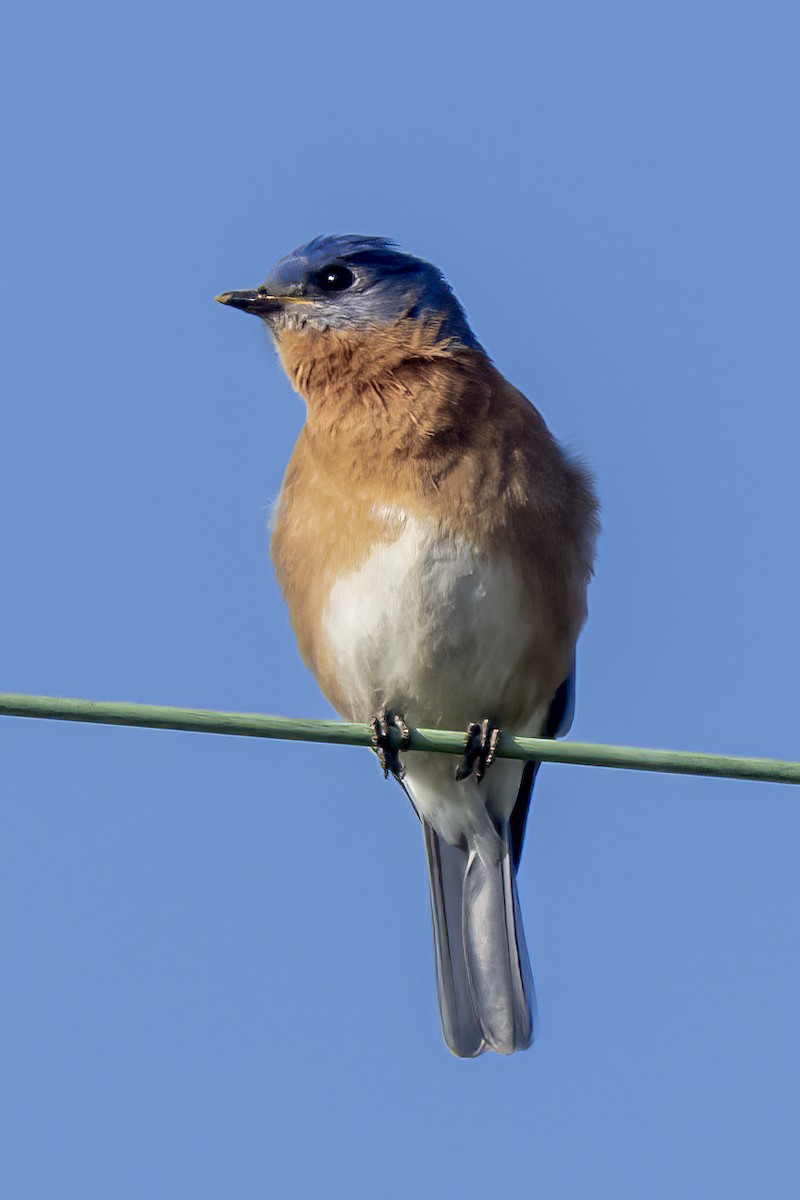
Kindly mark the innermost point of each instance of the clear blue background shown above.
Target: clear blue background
(217, 966)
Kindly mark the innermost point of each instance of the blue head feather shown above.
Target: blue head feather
(387, 285)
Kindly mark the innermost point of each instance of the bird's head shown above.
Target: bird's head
(353, 283)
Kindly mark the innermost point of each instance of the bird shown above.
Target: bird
(434, 544)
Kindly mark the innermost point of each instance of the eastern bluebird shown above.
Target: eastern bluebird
(434, 545)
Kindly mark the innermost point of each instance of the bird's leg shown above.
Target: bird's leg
(480, 750)
(384, 745)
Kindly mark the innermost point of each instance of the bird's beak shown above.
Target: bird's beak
(259, 303)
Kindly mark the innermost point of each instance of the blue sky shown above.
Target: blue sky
(218, 975)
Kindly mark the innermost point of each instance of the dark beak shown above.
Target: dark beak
(256, 302)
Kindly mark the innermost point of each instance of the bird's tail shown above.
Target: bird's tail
(484, 979)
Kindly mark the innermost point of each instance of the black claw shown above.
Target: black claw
(472, 749)
(384, 744)
(480, 750)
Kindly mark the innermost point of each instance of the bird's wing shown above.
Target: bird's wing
(559, 720)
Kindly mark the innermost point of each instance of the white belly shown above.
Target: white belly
(429, 627)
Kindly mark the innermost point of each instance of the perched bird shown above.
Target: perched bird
(434, 545)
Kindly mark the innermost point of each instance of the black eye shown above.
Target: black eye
(334, 278)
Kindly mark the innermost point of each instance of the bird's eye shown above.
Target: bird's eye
(334, 278)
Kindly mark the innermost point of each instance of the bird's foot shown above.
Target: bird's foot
(480, 750)
(384, 744)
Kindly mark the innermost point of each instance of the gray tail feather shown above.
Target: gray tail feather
(486, 996)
